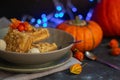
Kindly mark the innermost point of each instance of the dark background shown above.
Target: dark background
(19, 8)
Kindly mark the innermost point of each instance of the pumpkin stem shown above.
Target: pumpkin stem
(79, 22)
(75, 50)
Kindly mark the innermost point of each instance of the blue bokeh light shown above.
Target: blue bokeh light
(39, 21)
(74, 9)
(37, 25)
(91, 0)
(80, 16)
(89, 14)
(44, 19)
(56, 15)
(32, 20)
(58, 8)
(45, 24)
(43, 15)
(61, 14)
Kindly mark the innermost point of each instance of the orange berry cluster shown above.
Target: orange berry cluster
(21, 26)
(78, 55)
(77, 68)
(114, 45)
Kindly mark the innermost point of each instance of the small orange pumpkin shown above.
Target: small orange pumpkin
(88, 31)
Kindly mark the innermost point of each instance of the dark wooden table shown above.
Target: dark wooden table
(93, 70)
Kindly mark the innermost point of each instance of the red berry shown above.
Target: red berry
(79, 55)
(114, 43)
(21, 28)
(115, 51)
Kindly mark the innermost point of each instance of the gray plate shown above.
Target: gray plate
(4, 65)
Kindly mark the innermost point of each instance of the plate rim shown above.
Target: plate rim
(31, 70)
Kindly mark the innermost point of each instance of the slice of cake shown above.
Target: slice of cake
(45, 46)
(21, 41)
(21, 35)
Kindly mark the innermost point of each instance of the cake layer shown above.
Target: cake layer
(45, 46)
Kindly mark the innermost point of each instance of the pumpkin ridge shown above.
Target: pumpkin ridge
(97, 36)
(118, 15)
(93, 39)
(109, 16)
(114, 14)
(84, 40)
(80, 30)
(108, 30)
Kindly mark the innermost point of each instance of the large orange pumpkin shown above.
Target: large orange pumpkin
(107, 15)
(89, 32)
